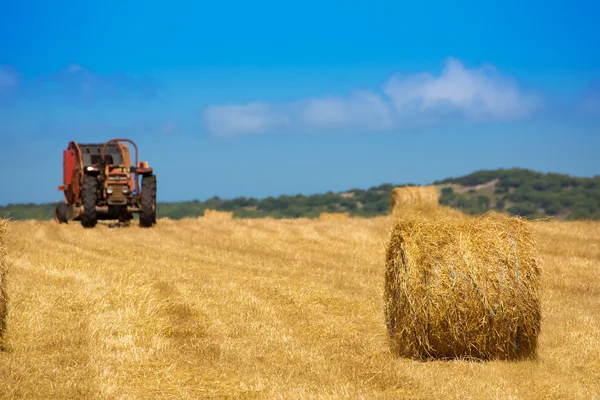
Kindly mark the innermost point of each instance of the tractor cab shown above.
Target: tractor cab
(116, 154)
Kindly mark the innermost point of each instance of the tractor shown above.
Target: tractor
(101, 183)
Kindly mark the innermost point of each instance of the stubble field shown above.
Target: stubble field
(262, 309)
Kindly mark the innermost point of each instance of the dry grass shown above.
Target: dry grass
(262, 309)
(3, 292)
(214, 214)
(333, 216)
(413, 197)
(462, 287)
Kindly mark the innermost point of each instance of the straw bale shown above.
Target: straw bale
(410, 197)
(462, 287)
(214, 214)
(3, 271)
(427, 212)
(333, 216)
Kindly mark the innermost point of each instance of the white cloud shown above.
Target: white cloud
(473, 94)
(81, 85)
(362, 109)
(8, 77)
(248, 118)
(457, 94)
(169, 127)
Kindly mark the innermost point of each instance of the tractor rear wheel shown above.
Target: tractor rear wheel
(89, 195)
(61, 213)
(148, 200)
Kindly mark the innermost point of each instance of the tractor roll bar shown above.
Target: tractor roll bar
(80, 155)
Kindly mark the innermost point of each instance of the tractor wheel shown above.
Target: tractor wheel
(89, 194)
(148, 200)
(61, 213)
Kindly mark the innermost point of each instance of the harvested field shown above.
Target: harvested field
(3, 292)
(214, 214)
(205, 308)
(333, 216)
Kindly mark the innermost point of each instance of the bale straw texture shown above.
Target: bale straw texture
(413, 196)
(334, 216)
(462, 287)
(214, 214)
(3, 294)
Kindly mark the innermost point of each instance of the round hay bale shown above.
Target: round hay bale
(462, 287)
(411, 197)
(3, 294)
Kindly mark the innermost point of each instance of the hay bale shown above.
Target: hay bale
(3, 271)
(410, 197)
(214, 214)
(333, 216)
(462, 287)
(429, 212)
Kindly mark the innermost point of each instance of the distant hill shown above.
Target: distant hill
(516, 191)
(524, 192)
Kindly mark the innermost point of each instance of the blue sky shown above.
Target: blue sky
(266, 98)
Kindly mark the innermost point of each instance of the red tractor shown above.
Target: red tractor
(101, 183)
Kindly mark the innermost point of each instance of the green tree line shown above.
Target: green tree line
(515, 191)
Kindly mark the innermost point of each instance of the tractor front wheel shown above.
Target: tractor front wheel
(148, 200)
(89, 195)
(61, 213)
